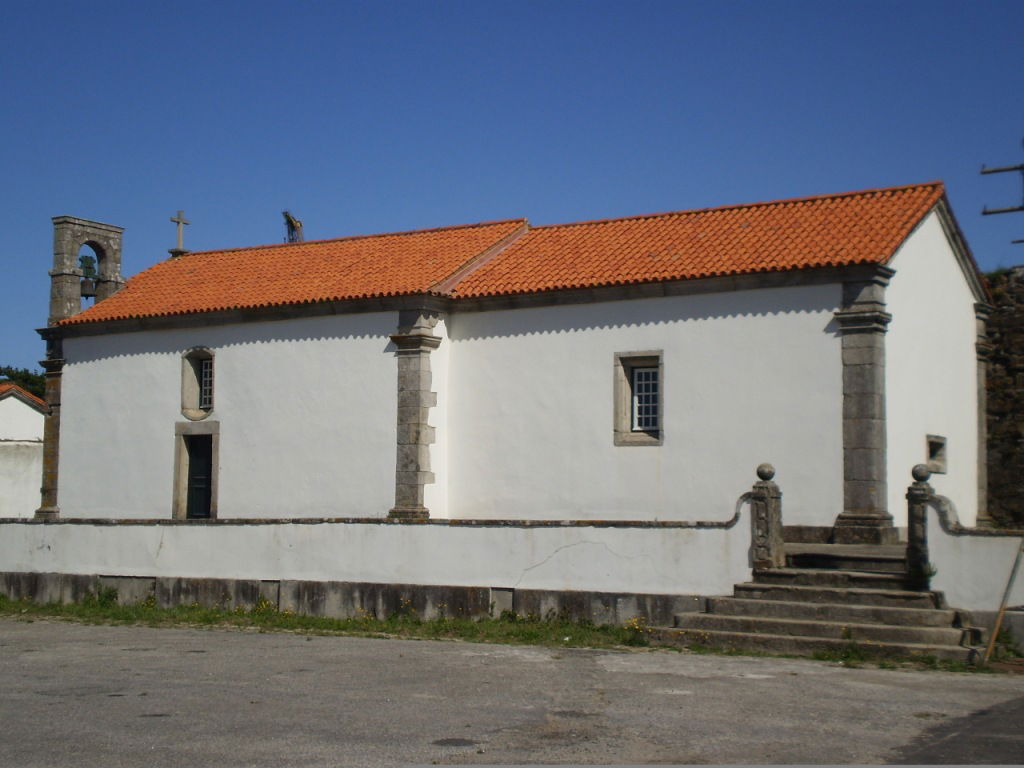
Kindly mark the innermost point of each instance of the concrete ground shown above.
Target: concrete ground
(76, 695)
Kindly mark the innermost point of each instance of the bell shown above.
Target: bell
(88, 288)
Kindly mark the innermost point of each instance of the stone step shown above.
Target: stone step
(807, 534)
(856, 596)
(875, 633)
(828, 577)
(848, 557)
(858, 614)
(804, 646)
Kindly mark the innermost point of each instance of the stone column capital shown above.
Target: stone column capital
(415, 342)
(858, 320)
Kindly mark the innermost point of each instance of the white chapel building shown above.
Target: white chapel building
(556, 407)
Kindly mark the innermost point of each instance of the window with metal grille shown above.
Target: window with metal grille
(645, 416)
(197, 383)
(639, 388)
(206, 383)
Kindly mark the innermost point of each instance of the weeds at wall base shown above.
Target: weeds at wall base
(552, 631)
(103, 608)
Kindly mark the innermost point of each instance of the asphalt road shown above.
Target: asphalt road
(76, 695)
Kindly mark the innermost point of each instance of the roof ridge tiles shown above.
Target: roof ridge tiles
(738, 206)
(350, 238)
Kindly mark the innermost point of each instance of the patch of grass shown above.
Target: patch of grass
(851, 655)
(1007, 645)
(710, 650)
(551, 631)
(854, 655)
(554, 631)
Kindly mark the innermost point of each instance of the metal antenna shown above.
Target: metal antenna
(986, 211)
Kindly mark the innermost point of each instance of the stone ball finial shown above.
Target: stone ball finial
(765, 471)
(921, 473)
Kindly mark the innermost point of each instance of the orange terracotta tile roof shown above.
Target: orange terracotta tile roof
(9, 389)
(300, 273)
(833, 230)
(507, 257)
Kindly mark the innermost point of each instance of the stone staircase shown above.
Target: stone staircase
(831, 598)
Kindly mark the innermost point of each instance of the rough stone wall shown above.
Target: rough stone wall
(1006, 398)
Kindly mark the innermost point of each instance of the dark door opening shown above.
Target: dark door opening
(200, 475)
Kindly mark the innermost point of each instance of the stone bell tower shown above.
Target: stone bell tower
(69, 282)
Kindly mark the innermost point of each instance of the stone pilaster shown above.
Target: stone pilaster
(983, 349)
(414, 341)
(53, 366)
(862, 326)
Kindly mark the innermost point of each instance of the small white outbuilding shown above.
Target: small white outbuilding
(21, 450)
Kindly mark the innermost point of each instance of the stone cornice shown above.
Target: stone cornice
(442, 522)
(111, 228)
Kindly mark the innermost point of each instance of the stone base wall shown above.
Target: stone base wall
(339, 599)
(1006, 399)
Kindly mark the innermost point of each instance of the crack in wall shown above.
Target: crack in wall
(556, 550)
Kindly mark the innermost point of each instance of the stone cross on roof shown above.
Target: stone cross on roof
(181, 221)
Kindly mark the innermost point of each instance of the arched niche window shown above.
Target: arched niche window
(197, 383)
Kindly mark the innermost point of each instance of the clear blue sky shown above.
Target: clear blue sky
(366, 117)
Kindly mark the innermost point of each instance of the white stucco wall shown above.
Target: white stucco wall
(973, 571)
(19, 421)
(749, 376)
(930, 370)
(21, 472)
(306, 410)
(21, 457)
(648, 560)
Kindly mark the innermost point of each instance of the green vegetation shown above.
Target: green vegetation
(1007, 645)
(33, 381)
(854, 655)
(552, 632)
(103, 608)
(851, 655)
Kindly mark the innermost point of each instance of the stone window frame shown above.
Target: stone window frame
(935, 451)
(625, 363)
(179, 501)
(193, 407)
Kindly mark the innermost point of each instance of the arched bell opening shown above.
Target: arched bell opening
(91, 260)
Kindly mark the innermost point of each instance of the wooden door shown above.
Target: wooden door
(200, 475)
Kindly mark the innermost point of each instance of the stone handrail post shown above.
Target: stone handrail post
(919, 495)
(766, 520)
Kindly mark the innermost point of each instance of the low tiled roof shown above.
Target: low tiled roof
(10, 389)
(299, 273)
(506, 257)
(834, 230)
